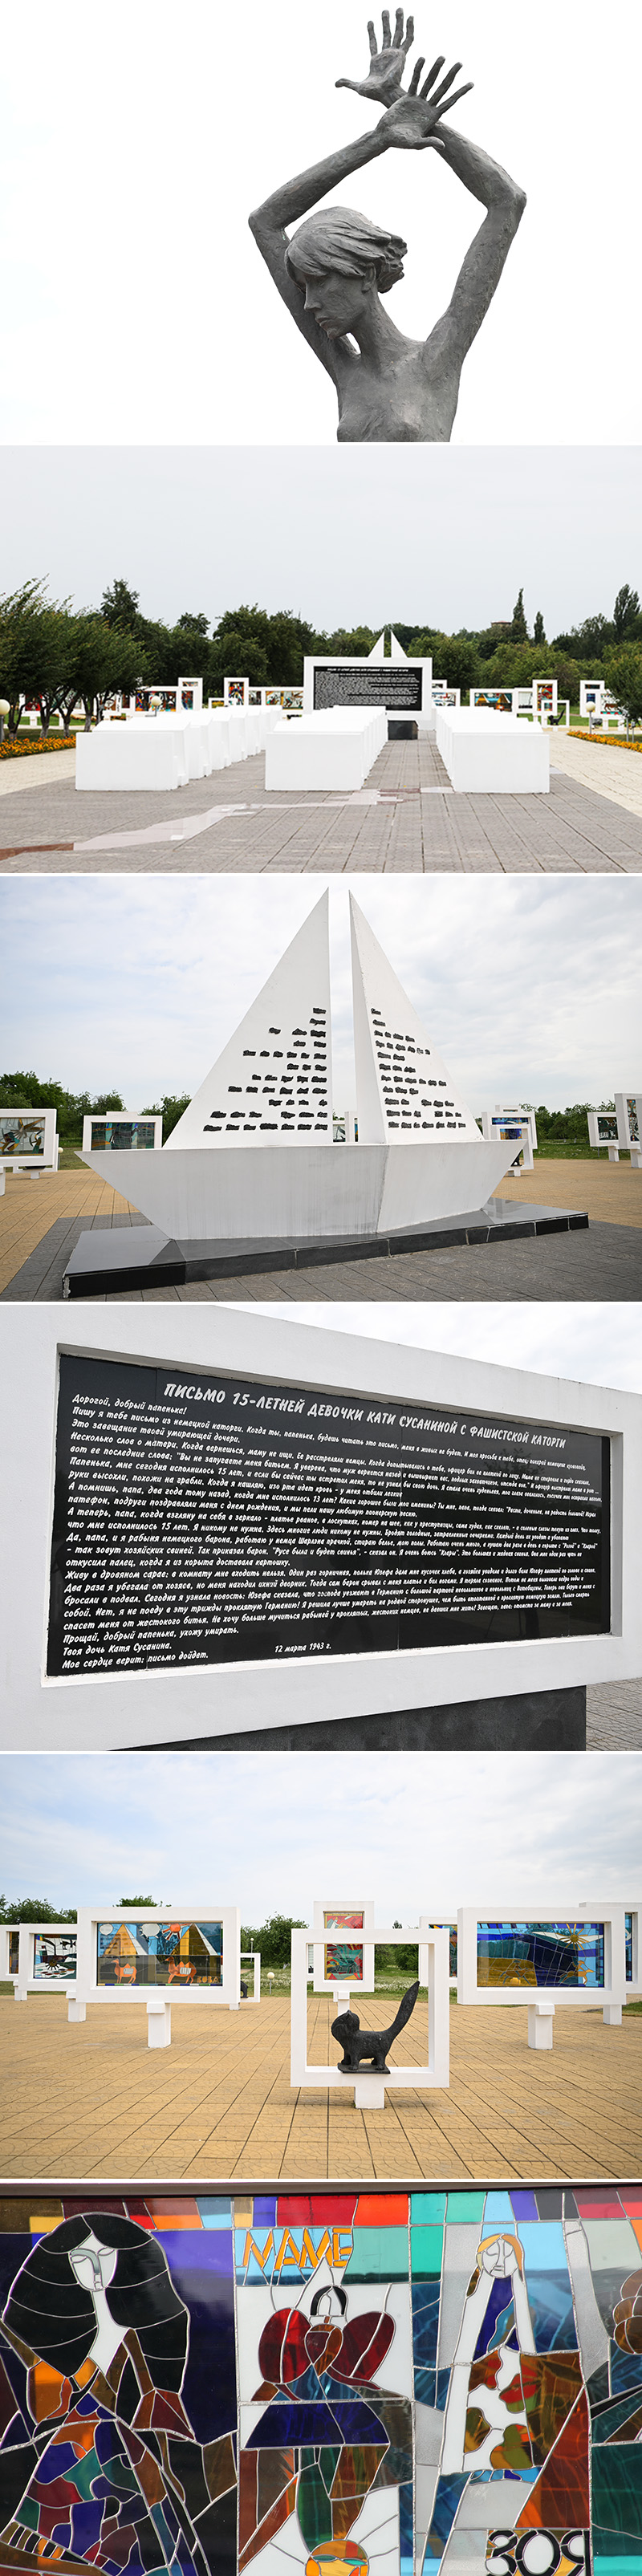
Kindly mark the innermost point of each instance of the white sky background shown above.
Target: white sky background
(593, 1344)
(135, 303)
(529, 988)
(417, 1832)
(435, 536)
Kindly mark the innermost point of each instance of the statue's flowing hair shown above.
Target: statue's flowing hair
(348, 242)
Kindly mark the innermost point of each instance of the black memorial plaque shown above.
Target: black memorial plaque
(380, 684)
(213, 1520)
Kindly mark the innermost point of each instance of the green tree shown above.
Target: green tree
(170, 1110)
(120, 606)
(627, 616)
(272, 1939)
(519, 629)
(198, 624)
(623, 675)
(33, 634)
(539, 636)
(35, 1909)
(99, 660)
(458, 662)
(137, 1900)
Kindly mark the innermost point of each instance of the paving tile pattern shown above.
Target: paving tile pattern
(90, 2100)
(418, 826)
(40, 1222)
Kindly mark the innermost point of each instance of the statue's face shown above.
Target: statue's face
(338, 302)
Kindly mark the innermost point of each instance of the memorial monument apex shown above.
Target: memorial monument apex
(333, 271)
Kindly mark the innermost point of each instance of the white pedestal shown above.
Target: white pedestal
(369, 2092)
(636, 1158)
(487, 754)
(159, 2023)
(76, 2011)
(614, 1153)
(612, 2015)
(540, 2025)
(322, 752)
(145, 752)
(20, 1995)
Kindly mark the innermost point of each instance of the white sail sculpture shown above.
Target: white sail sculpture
(253, 1158)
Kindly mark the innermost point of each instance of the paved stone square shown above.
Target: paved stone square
(41, 1220)
(90, 2099)
(406, 818)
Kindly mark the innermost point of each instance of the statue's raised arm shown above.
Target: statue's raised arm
(334, 269)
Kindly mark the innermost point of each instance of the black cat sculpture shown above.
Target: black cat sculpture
(370, 2047)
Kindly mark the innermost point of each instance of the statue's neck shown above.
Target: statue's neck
(378, 340)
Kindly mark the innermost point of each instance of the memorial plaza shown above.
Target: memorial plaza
(89, 2100)
(41, 1220)
(406, 818)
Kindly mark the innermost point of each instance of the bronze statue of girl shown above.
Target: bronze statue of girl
(333, 271)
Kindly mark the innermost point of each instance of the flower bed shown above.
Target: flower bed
(616, 741)
(25, 750)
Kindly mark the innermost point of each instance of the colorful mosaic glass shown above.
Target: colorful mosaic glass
(388, 2383)
(344, 1958)
(159, 1954)
(54, 1955)
(540, 1954)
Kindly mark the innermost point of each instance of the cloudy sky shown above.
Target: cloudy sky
(135, 303)
(436, 536)
(529, 988)
(599, 1345)
(422, 1832)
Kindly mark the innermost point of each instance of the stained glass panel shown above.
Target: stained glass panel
(159, 1954)
(540, 1954)
(330, 2381)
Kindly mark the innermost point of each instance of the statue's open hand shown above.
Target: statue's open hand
(412, 122)
(386, 68)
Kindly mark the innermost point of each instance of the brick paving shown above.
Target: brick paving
(90, 2100)
(406, 819)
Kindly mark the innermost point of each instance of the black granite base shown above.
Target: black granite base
(134, 1256)
(526, 1722)
(103, 1261)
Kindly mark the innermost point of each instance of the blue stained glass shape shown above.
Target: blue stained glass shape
(425, 2330)
(313, 2424)
(626, 2370)
(499, 2321)
(544, 2247)
(498, 2211)
(427, 2208)
(426, 2251)
(628, 1946)
(84, 2528)
(524, 2206)
(444, 2509)
(215, 2214)
(406, 2535)
(378, 2254)
(441, 2390)
(265, 2212)
(617, 2491)
(552, 2313)
(540, 1954)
